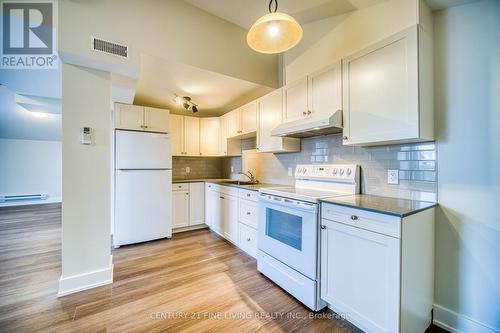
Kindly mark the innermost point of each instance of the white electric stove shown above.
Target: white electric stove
(289, 227)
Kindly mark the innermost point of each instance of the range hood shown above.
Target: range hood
(311, 126)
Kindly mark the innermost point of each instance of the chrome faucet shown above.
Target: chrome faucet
(250, 176)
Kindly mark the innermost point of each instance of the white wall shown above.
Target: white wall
(86, 174)
(28, 167)
(329, 40)
(467, 104)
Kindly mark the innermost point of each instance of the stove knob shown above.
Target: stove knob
(349, 172)
(341, 172)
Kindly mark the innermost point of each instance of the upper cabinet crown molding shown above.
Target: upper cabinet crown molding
(388, 91)
(140, 118)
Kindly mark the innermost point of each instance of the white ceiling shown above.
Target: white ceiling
(19, 123)
(245, 12)
(214, 93)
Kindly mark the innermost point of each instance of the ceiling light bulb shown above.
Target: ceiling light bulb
(178, 100)
(273, 29)
(194, 109)
(186, 106)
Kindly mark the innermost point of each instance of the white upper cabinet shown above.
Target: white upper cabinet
(156, 120)
(140, 118)
(177, 134)
(228, 147)
(209, 136)
(270, 108)
(325, 90)
(180, 209)
(388, 91)
(242, 122)
(233, 123)
(192, 136)
(248, 115)
(296, 104)
(185, 135)
(129, 117)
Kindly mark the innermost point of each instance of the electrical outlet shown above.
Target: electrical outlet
(188, 169)
(290, 172)
(393, 176)
(232, 169)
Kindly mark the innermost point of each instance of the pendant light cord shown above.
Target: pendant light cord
(275, 6)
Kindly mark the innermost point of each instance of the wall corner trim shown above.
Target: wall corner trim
(73, 284)
(457, 322)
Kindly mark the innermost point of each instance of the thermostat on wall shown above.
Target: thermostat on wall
(86, 136)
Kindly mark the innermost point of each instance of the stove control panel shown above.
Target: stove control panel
(327, 172)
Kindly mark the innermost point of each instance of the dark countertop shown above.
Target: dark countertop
(254, 187)
(384, 205)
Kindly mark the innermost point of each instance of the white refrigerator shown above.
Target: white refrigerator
(143, 187)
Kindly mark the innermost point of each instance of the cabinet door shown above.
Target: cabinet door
(360, 273)
(196, 203)
(217, 218)
(248, 115)
(177, 134)
(229, 214)
(157, 120)
(380, 87)
(233, 123)
(180, 209)
(296, 106)
(270, 116)
(209, 136)
(325, 91)
(191, 136)
(129, 117)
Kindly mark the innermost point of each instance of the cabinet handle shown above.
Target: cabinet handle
(200, 153)
(221, 197)
(345, 138)
(248, 194)
(323, 227)
(354, 217)
(309, 112)
(249, 239)
(304, 113)
(248, 213)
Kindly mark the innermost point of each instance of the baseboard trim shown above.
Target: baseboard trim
(189, 228)
(458, 323)
(76, 283)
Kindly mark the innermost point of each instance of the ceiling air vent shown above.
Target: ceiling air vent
(108, 47)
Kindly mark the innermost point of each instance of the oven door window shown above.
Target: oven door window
(284, 227)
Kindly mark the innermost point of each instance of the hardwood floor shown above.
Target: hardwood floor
(195, 282)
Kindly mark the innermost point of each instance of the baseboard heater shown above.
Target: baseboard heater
(22, 197)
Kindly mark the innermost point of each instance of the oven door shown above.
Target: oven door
(288, 232)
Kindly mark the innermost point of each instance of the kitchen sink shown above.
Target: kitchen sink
(238, 182)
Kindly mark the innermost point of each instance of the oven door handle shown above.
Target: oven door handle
(290, 203)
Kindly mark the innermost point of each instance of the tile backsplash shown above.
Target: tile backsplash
(416, 164)
(200, 167)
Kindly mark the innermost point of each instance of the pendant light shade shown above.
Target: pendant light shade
(274, 33)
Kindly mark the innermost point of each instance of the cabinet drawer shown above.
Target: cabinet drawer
(228, 190)
(248, 213)
(381, 223)
(248, 195)
(180, 187)
(248, 239)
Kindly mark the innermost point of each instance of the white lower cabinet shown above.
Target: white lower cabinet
(378, 269)
(247, 240)
(229, 216)
(180, 208)
(188, 206)
(232, 213)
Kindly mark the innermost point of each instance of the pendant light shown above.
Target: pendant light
(274, 32)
